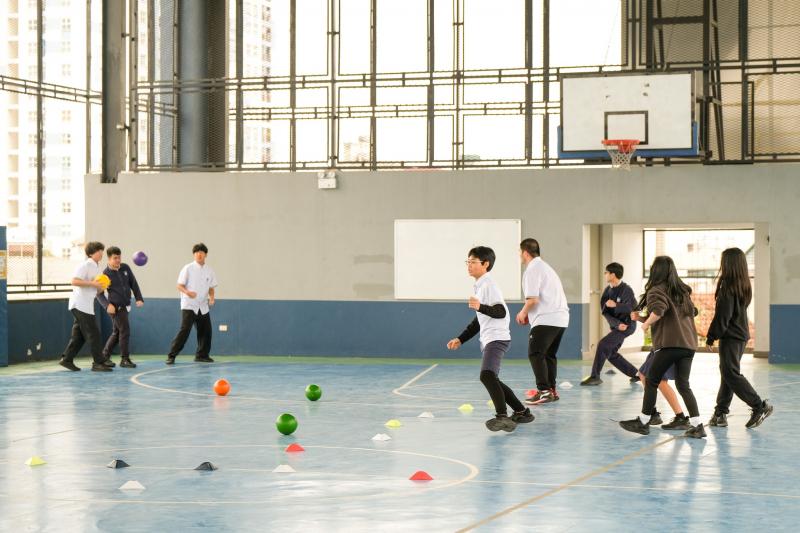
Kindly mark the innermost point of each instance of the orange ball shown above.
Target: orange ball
(222, 387)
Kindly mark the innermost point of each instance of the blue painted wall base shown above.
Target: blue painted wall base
(260, 327)
(784, 344)
(3, 308)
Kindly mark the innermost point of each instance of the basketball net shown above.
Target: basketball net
(621, 151)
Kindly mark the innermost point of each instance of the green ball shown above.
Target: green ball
(313, 393)
(286, 424)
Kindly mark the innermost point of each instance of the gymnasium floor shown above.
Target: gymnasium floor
(572, 469)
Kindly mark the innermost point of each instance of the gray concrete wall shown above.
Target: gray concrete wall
(276, 236)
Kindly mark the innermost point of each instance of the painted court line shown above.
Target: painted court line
(473, 472)
(649, 489)
(136, 381)
(791, 383)
(412, 381)
(569, 484)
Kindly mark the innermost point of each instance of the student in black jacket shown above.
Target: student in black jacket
(616, 305)
(730, 327)
(118, 304)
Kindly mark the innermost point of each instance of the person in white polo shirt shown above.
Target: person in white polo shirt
(81, 305)
(196, 283)
(547, 313)
(491, 321)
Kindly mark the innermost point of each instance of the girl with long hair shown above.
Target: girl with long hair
(731, 328)
(670, 312)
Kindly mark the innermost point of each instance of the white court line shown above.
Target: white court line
(135, 380)
(564, 486)
(412, 381)
(472, 469)
(784, 385)
(653, 489)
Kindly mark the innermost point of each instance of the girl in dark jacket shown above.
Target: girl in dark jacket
(671, 313)
(731, 328)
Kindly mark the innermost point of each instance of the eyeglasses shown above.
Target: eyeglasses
(472, 262)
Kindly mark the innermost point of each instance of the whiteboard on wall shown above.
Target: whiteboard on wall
(429, 257)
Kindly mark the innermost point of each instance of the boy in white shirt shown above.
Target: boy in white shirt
(547, 313)
(491, 321)
(81, 305)
(196, 283)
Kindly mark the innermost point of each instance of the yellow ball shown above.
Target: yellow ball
(104, 280)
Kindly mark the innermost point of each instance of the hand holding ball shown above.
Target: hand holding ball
(104, 280)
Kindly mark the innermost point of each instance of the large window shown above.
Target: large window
(368, 84)
(49, 64)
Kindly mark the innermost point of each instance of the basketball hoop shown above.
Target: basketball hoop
(621, 151)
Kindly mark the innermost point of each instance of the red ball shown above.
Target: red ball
(222, 387)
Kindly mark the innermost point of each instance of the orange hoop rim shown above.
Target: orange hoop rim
(625, 146)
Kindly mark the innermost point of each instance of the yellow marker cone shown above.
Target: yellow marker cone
(35, 461)
(466, 408)
(490, 403)
(393, 423)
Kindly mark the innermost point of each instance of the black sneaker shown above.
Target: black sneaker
(541, 397)
(655, 419)
(759, 415)
(501, 422)
(127, 363)
(635, 379)
(719, 420)
(591, 381)
(635, 426)
(68, 364)
(203, 360)
(523, 417)
(100, 367)
(679, 422)
(696, 432)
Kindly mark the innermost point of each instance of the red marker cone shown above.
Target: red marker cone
(421, 475)
(294, 447)
(530, 393)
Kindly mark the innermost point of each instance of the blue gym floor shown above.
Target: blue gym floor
(572, 469)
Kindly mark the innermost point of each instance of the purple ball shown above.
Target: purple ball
(140, 258)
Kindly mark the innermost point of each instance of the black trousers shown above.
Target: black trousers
(84, 329)
(732, 381)
(608, 349)
(202, 324)
(543, 344)
(663, 359)
(121, 333)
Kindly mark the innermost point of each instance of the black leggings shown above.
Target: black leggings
(500, 393)
(732, 381)
(662, 360)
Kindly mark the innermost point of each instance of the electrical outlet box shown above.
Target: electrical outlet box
(326, 183)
